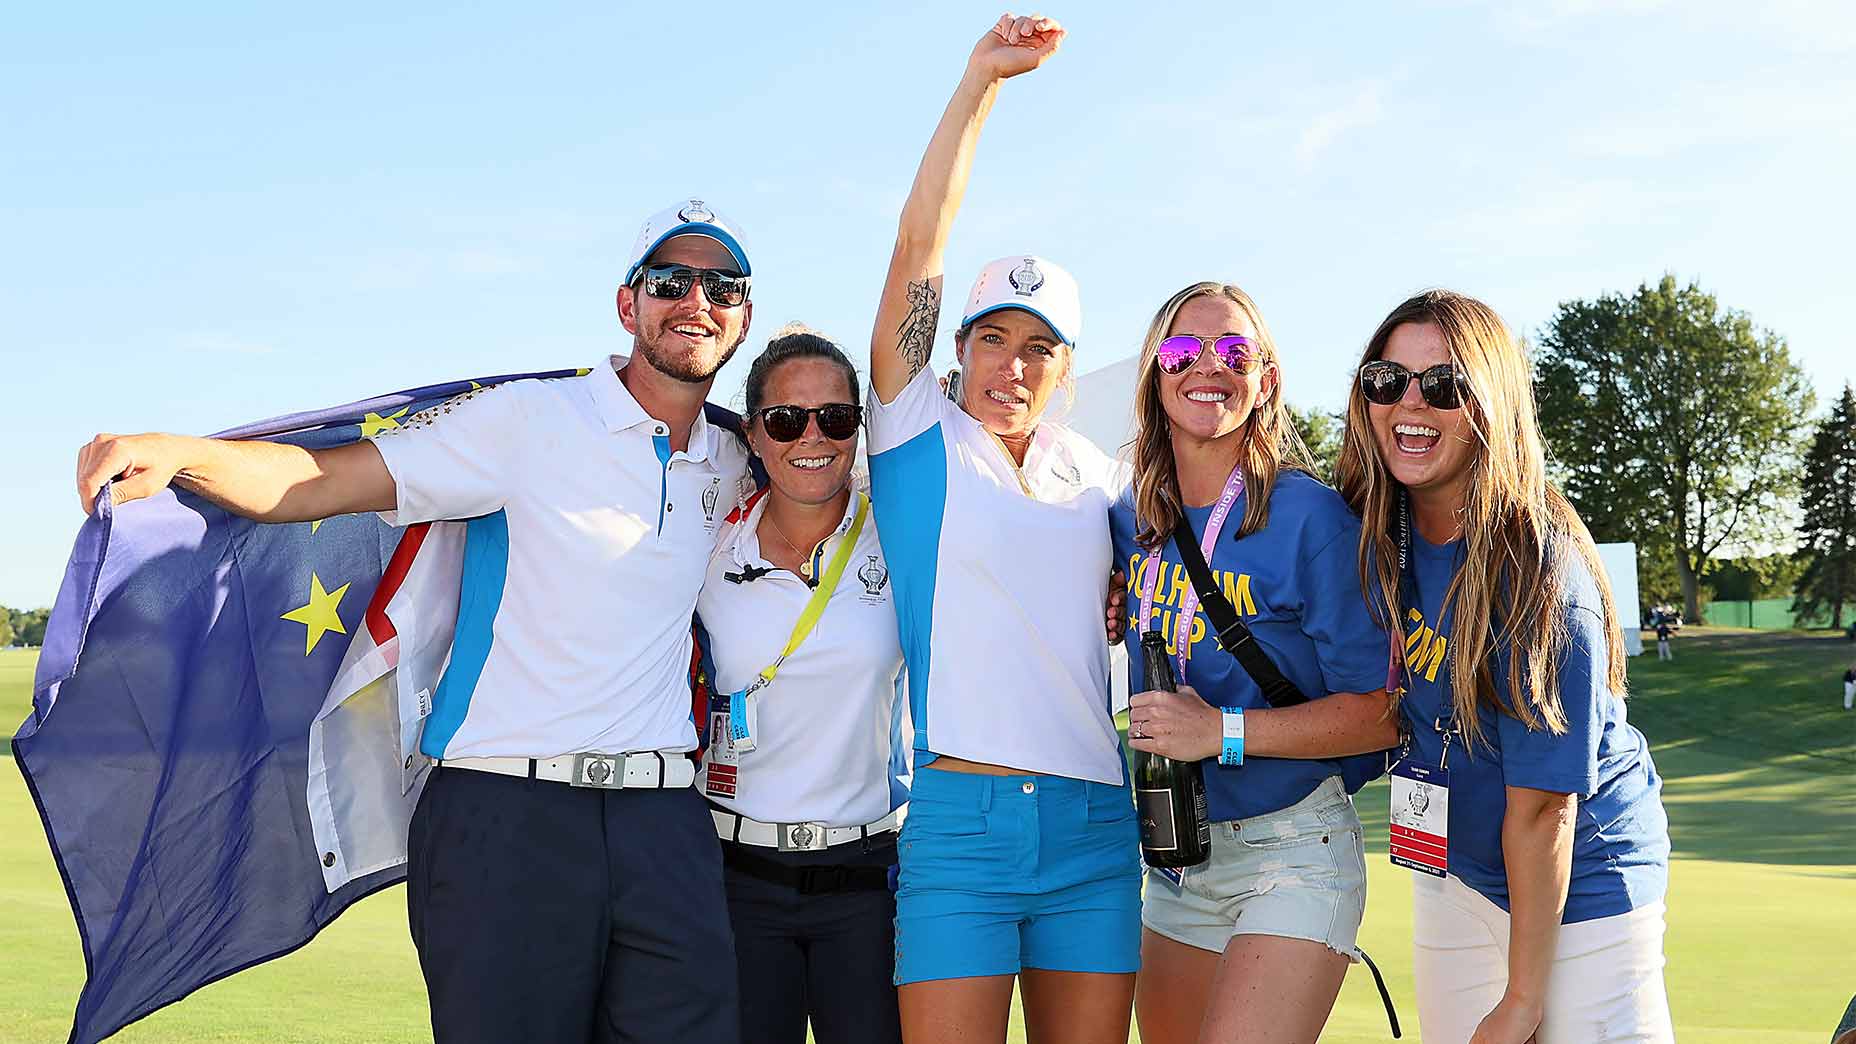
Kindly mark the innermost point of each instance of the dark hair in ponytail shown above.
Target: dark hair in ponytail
(795, 341)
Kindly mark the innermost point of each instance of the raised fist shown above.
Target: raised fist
(1015, 45)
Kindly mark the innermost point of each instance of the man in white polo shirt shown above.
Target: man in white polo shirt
(564, 880)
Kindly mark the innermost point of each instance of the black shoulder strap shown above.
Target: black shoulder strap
(1232, 634)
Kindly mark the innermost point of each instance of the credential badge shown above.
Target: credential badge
(695, 211)
(1026, 278)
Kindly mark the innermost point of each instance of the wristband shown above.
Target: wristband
(1231, 754)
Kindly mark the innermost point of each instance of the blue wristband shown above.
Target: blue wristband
(1232, 752)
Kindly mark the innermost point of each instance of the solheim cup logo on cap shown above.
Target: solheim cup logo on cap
(874, 577)
(695, 211)
(1026, 278)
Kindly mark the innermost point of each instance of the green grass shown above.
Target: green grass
(15, 691)
(1748, 730)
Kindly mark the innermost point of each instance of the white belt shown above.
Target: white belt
(798, 837)
(650, 769)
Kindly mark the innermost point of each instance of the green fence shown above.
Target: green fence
(1766, 614)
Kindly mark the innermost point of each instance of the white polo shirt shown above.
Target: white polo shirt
(583, 556)
(999, 595)
(828, 744)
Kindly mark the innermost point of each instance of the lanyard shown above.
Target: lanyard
(1189, 604)
(1395, 633)
(815, 606)
(1395, 667)
(742, 705)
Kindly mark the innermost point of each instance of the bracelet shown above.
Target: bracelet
(1232, 752)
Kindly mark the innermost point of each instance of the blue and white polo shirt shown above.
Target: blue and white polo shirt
(999, 594)
(586, 546)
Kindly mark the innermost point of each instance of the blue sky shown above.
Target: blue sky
(215, 213)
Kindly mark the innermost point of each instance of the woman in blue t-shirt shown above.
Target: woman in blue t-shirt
(1253, 944)
(1521, 777)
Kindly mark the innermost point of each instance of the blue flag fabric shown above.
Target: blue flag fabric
(186, 655)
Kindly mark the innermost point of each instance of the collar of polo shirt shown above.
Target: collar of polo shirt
(621, 411)
(749, 529)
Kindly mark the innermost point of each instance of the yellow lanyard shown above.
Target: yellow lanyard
(815, 607)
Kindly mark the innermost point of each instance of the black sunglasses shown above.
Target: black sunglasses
(1443, 386)
(670, 282)
(836, 421)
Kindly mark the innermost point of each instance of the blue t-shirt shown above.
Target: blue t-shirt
(1620, 856)
(1296, 583)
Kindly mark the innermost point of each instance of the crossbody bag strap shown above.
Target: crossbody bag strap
(1236, 638)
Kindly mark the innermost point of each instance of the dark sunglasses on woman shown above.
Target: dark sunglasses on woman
(836, 421)
(1177, 353)
(1443, 386)
(671, 282)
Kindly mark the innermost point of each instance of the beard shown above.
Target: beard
(688, 367)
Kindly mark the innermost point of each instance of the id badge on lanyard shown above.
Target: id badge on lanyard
(743, 723)
(1419, 833)
(1420, 829)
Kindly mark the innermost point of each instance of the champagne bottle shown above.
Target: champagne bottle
(1168, 794)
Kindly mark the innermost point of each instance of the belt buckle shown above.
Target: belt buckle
(600, 771)
(801, 837)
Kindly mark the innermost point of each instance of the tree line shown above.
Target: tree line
(22, 626)
(1678, 425)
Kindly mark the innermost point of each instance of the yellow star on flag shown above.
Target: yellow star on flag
(320, 616)
(373, 424)
(474, 386)
(315, 525)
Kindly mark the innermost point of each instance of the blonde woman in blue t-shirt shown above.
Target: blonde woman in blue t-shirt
(1538, 905)
(1251, 945)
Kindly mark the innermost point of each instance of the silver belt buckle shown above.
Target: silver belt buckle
(801, 837)
(602, 771)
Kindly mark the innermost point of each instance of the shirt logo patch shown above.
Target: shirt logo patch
(709, 498)
(874, 578)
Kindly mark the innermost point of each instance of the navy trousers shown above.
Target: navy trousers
(544, 912)
(820, 947)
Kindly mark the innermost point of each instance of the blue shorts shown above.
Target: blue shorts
(1003, 873)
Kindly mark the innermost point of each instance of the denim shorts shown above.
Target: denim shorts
(1003, 873)
(1298, 873)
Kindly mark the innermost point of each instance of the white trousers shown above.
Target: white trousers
(1849, 694)
(1606, 983)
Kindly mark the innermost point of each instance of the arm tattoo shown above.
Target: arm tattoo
(915, 337)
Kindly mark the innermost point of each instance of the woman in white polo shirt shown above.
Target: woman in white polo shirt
(1020, 854)
(803, 770)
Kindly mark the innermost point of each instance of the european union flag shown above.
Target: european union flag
(186, 655)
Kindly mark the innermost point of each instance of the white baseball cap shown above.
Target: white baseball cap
(691, 217)
(1032, 284)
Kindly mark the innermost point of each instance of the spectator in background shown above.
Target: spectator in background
(1849, 686)
(1662, 639)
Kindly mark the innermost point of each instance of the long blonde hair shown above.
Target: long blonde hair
(1510, 592)
(1270, 440)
